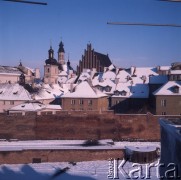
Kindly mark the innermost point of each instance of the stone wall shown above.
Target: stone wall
(79, 125)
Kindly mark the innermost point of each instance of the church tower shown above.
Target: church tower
(61, 54)
(51, 68)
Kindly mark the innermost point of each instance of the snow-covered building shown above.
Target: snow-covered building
(10, 74)
(57, 71)
(168, 99)
(175, 72)
(12, 95)
(34, 106)
(49, 93)
(84, 97)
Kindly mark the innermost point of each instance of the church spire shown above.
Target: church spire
(61, 54)
(61, 47)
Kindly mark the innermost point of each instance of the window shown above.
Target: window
(176, 89)
(72, 101)
(81, 101)
(4, 102)
(48, 70)
(163, 102)
(107, 88)
(11, 102)
(90, 102)
(116, 93)
(123, 93)
(163, 113)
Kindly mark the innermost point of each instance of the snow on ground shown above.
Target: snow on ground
(88, 170)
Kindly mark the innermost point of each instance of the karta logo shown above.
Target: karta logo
(118, 169)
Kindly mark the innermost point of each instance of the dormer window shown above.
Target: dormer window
(16, 92)
(100, 87)
(107, 88)
(176, 89)
(116, 93)
(123, 93)
(48, 92)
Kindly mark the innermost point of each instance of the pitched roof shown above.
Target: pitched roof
(104, 59)
(47, 92)
(167, 89)
(84, 90)
(9, 70)
(13, 92)
(34, 106)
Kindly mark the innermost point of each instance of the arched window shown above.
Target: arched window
(48, 70)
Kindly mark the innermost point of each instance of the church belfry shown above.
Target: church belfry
(61, 54)
(51, 68)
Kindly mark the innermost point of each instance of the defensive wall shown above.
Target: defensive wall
(79, 125)
(73, 125)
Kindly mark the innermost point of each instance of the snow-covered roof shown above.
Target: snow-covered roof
(84, 76)
(53, 107)
(84, 90)
(161, 79)
(63, 73)
(111, 67)
(32, 70)
(175, 72)
(122, 76)
(28, 106)
(132, 149)
(49, 92)
(13, 92)
(141, 74)
(109, 75)
(34, 106)
(71, 79)
(9, 70)
(168, 89)
(164, 68)
(123, 87)
(62, 79)
(132, 90)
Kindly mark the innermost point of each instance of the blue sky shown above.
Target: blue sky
(26, 31)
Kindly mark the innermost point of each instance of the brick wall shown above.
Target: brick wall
(79, 125)
(26, 156)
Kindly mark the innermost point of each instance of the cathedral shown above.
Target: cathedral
(92, 59)
(52, 67)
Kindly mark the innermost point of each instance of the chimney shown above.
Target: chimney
(116, 81)
(71, 87)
